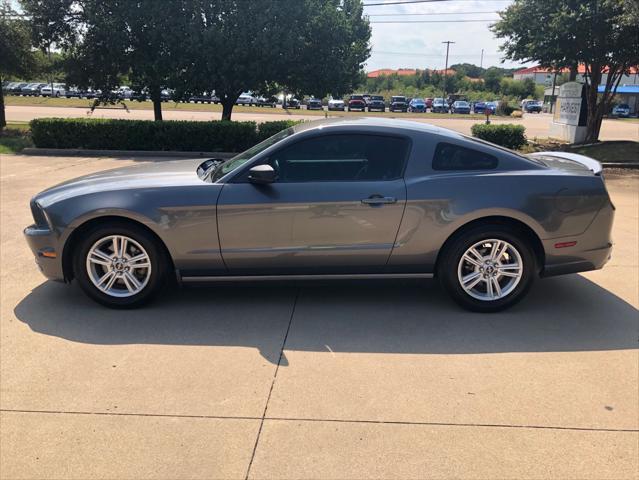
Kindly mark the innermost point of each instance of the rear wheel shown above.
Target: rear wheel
(120, 265)
(488, 269)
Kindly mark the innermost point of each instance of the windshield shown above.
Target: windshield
(245, 156)
(377, 97)
(399, 99)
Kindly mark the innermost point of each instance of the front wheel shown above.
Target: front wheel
(120, 265)
(488, 269)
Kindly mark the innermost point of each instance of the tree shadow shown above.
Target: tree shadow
(415, 317)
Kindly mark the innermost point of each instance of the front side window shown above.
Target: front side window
(342, 158)
(239, 160)
(454, 157)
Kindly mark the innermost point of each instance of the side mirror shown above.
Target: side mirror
(262, 174)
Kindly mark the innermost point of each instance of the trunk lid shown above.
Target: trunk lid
(566, 161)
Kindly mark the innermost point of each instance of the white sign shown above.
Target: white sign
(568, 105)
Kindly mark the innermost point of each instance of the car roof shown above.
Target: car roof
(376, 123)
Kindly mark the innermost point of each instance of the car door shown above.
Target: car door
(335, 207)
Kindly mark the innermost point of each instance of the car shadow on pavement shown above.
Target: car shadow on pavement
(560, 314)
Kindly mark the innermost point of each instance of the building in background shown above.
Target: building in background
(544, 76)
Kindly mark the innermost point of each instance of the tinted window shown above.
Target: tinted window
(454, 157)
(340, 158)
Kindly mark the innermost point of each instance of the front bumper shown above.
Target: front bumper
(43, 244)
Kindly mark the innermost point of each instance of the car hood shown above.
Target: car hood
(145, 175)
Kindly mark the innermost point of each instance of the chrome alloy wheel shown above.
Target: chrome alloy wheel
(118, 266)
(490, 269)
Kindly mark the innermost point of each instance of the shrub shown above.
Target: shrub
(107, 134)
(506, 135)
(517, 114)
(268, 129)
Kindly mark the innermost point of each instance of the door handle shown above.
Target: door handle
(374, 200)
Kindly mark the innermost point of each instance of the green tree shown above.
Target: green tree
(106, 41)
(603, 35)
(311, 46)
(16, 58)
(492, 78)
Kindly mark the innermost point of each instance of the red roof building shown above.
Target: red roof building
(544, 76)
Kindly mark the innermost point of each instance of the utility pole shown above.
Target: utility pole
(448, 42)
(481, 61)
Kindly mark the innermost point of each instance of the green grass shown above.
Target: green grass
(612, 151)
(199, 107)
(632, 120)
(14, 137)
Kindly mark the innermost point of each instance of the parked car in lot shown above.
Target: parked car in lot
(481, 107)
(336, 104)
(460, 106)
(55, 90)
(621, 110)
(16, 88)
(376, 104)
(293, 103)
(398, 103)
(267, 102)
(246, 99)
(417, 105)
(73, 92)
(439, 105)
(285, 209)
(533, 106)
(314, 104)
(32, 89)
(124, 92)
(204, 98)
(357, 102)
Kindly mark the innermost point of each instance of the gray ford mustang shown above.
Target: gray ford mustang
(348, 198)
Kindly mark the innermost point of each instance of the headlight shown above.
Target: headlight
(39, 217)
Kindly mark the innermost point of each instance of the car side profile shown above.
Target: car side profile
(339, 198)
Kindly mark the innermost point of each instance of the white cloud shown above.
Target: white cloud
(419, 45)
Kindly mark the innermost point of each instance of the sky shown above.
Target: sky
(418, 45)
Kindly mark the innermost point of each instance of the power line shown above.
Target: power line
(431, 55)
(435, 21)
(423, 14)
(419, 1)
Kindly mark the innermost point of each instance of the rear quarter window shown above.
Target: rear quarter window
(454, 157)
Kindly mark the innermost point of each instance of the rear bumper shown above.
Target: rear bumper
(583, 262)
(591, 250)
(43, 243)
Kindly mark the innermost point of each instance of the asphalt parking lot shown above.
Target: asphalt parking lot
(349, 380)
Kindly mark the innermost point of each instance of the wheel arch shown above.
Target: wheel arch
(525, 230)
(76, 235)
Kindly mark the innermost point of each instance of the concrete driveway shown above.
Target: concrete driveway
(349, 380)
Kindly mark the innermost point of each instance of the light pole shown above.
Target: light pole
(448, 42)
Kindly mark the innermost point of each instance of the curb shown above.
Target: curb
(79, 152)
(629, 165)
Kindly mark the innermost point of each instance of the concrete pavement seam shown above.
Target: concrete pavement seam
(327, 420)
(268, 398)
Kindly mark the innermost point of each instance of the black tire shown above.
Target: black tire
(448, 264)
(156, 253)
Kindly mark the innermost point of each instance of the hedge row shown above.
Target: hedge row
(506, 135)
(107, 134)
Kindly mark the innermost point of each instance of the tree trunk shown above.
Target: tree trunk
(227, 107)
(573, 73)
(156, 98)
(593, 122)
(3, 119)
